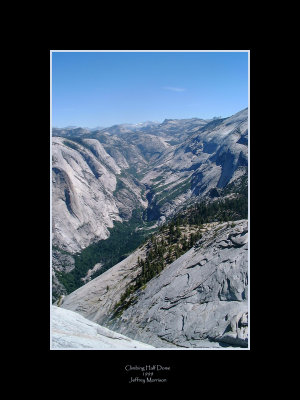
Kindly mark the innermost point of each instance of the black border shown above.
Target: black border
(186, 366)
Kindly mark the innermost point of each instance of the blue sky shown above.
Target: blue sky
(92, 89)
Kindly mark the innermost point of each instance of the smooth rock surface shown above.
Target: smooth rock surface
(200, 297)
(71, 331)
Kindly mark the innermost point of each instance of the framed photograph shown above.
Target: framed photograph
(149, 208)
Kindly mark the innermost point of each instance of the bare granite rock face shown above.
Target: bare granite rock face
(214, 155)
(84, 203)
(89, 194)
(82, 196)
(61, 261)
(200, 300)
(71, 331)
(96, 299)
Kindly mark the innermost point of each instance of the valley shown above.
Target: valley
(149, 229)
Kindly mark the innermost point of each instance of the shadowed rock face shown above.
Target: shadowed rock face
(200, 300)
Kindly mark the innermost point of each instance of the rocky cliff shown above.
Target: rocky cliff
(84, 204)
(215, 155)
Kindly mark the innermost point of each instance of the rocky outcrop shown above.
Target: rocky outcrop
(61, 262)
(213, 156)
(71, 331)
(200, 300)
(84, 203)
(82, 196)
